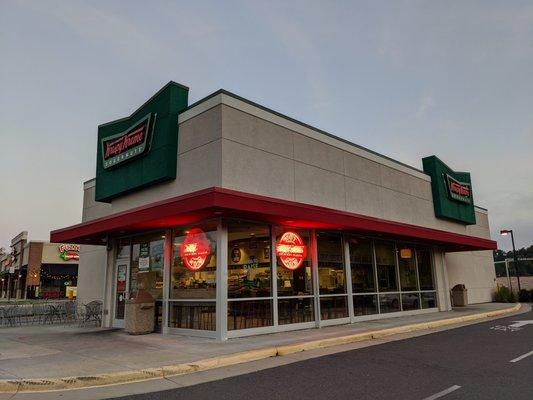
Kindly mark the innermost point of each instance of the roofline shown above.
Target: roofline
(305, 125)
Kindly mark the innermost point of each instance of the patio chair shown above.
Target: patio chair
(40, 311)
(92, 313)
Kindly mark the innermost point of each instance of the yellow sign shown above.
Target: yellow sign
(406, 253)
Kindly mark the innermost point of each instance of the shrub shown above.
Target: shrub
(504, 295)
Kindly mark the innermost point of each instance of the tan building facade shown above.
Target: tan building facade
(371, 228)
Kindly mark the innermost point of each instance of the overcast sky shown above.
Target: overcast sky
(405, 78)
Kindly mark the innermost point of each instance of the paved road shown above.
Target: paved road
(471, 362)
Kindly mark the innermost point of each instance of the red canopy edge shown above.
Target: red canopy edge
(216, 202)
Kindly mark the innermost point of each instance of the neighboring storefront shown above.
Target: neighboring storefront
(52, 270)
(39, 270)
(13, 271)
(239, 220)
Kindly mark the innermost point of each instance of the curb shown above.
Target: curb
(114, 378)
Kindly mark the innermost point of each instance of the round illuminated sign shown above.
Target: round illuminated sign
(195, 250)
(291, 250)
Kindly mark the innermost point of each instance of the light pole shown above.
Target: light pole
(505, 232)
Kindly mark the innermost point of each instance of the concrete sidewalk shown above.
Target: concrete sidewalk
(46, 352)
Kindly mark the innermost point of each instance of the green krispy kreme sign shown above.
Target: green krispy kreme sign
(140, 150)
(452, 192)
(133, 142)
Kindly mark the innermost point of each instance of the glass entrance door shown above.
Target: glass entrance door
(122, 266)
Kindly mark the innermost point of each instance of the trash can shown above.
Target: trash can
(139, 314)
(460, 295)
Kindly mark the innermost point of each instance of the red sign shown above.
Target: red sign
(133, 142)
(126, 142)
(459, 191)
(291, 250)
(195, 250)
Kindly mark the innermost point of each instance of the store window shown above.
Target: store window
(407, 268)
(194, 263)
(389, 303)
(193, 277)
(428, 295)
(362, 265)
(249, 275)
(386, 267)
(425, 270)
(147, 259)
(365, 304)
(294, 277)
(331, 276)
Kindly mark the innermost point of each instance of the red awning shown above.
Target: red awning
(216, 202)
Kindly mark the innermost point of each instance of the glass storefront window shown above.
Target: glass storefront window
(425, 270)
(410, 301)
(362, 265)
(429, 299)
(407, 268)
(333, 307)
(249, 265)
(295, 310)
(331, 275)
(249, 314)
(294, 277)
(147, 259)
(193, 315)
(365, 304)
(194, 264)
(386, 267)
(389, 303)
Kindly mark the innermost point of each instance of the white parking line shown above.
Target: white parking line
(443, 393)
(522, 357)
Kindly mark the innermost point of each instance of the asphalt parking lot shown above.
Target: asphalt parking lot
(490, 360)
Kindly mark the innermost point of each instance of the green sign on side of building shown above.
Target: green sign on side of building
(140, 150)
(452, 192)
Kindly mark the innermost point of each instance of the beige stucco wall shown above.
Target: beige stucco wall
(91, 273)
(475, 269)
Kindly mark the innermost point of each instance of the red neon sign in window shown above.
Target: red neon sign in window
(195, 250)
(291, 250)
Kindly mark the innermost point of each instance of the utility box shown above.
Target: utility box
(460, 295)
(140, 314)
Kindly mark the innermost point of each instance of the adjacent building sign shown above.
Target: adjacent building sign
(69, 251)
(195, 250)
(291, 250)
(133, 142)
(452, 192)
(140, 150)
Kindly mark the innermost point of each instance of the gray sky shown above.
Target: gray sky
(404, 78)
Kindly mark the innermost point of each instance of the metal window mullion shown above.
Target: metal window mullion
(167, 265)
(398, 281)
(274, 272)
(222, 282)
(348, 277)
(237, 299)
(375, 266)
(417, 279)
(314, 271)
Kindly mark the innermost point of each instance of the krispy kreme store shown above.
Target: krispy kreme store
(239, 220)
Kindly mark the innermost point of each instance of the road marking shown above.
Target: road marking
(522, 357)
(519, 324)
(443, 393)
